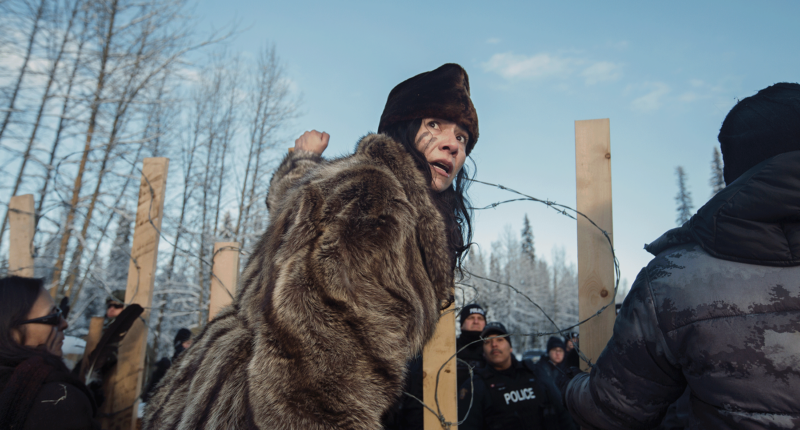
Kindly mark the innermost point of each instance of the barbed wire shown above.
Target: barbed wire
(560, 208)
(563, 210)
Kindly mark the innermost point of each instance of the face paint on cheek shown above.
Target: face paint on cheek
(422, 137)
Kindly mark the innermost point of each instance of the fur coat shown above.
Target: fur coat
(343, 288)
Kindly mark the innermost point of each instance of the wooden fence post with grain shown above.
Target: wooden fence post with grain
(224, 276)
(92, 339)
(595, 258)
(440, 349)
(121, 406)
(21, 223)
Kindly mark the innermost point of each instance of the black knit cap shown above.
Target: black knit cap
(468, 310)
(760, 127)
(497, 329)
(441, 93)
(556, 342)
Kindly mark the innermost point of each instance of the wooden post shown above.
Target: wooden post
(440, 348)
(123, 403)
(95, 333)
(224, 276)
(595, 261)
(21, 225)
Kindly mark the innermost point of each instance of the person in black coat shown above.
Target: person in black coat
(472, 319)
(508, 394)
(571, 358)
(552, 363)
(714, 317)
(37, 391)
(182, 341)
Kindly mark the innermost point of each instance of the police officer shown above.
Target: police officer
(508, 394)
(469, 344)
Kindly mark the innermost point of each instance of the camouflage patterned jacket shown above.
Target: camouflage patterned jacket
(717, 310)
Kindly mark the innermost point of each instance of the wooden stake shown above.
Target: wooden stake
(95, 333)
(225, 276)
(21, 225)
(123, 403)
(595, 261)
(441, 348)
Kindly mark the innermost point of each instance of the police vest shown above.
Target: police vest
(517, 402)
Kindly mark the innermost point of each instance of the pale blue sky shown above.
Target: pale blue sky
(665, 73)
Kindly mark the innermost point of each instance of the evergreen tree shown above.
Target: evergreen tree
(683, 198)
(527, 239)
(717, 180)
(553, 287)
(119, 256)
(226, 234)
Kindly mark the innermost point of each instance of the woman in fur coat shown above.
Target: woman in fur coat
(346, 284)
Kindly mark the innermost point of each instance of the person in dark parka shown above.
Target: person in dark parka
(552, 363)
(717, 310)
(182, 341)
(472, 319)
(37, 391)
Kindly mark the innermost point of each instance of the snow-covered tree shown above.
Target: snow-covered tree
(717, 180)
(522, 293)
(528, 248)
(119, 258)
(683, 198)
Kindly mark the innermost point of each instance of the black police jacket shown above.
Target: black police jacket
(519, 397)
(470, 354)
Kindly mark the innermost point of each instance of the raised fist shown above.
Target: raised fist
(312, 141)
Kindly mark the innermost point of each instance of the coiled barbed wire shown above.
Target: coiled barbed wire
(560, 208)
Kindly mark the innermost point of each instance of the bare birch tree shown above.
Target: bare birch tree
(272, 108)
(38, 11)
(130, 56)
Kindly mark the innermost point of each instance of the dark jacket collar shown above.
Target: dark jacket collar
(755, 219)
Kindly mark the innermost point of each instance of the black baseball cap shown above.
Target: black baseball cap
(495, 328)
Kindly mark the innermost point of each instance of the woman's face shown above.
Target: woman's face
(444, 145)
(38, 335)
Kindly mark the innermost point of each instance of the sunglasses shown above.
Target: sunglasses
(115, 306)
(52, 319)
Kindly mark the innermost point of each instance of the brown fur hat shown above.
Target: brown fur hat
(441, 93)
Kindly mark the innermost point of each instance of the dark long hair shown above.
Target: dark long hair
(17, 296)
(453, 202)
